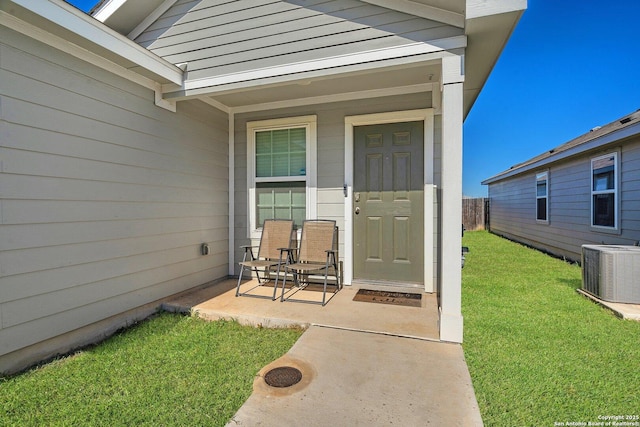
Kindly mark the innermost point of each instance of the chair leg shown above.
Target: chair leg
(284, 282)
(275, 286)
(239, 280)
(264, 279)
(324, 292)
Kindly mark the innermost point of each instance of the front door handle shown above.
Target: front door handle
(357, 210)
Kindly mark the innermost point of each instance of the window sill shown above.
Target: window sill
(605, 230)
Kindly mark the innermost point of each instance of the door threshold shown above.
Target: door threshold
(382, 285)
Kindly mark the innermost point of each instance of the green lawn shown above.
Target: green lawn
(170, 370)
(539, 353)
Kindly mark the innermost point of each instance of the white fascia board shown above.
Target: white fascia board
(422, 10)
(602, 141)
(372, 59)
(72, 19)
(480, 8)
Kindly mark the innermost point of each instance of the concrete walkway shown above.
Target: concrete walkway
(362, 364)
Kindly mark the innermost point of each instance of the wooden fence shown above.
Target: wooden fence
(475, 214)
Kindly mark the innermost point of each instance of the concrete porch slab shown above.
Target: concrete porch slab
(218, 301)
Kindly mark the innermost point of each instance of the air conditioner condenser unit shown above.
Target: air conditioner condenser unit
(612, 272)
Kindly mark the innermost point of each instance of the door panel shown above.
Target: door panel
(389, 202)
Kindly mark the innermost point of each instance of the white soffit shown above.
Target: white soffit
(126, 15)
(107, 8)
(487, 33)
(480, 8)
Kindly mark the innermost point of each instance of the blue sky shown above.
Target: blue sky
(84, 5)
(569, 66)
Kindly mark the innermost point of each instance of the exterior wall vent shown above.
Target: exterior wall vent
(612, 272)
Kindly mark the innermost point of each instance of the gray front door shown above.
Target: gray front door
(388, 208)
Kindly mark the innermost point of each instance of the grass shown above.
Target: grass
(538, 352)
(167, 371)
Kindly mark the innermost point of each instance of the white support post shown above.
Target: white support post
(451, 322)
(232, 190)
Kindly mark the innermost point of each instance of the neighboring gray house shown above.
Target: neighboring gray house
(130, 137)
(586, 191)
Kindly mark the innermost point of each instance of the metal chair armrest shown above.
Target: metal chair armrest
(248, 249)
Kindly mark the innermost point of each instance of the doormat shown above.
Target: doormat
(385, 297)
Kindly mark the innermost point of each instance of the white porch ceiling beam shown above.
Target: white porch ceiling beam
(216, 104)
(324, 99)
(376, 59)
(347, 96)
(422, 10)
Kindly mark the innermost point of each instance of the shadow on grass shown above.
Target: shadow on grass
(572, 283)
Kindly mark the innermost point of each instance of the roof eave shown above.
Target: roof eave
(600, 142)
(489, 26)
(63, 20)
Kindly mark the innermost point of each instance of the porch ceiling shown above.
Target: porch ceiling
(487, 26)
(125, 15)
(401, 80)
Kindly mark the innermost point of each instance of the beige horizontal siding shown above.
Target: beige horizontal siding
(74, 211)
(104, 197)
(513, 205)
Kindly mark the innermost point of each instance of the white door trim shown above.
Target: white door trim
(350, 122)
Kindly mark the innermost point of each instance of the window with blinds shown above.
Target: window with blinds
(279, 172)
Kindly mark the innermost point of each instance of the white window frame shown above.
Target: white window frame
(615, 191)
(310, 124)
(543, 176)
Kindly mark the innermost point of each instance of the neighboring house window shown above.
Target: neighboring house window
(281, 170)
(604, 189)
(542, 196)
